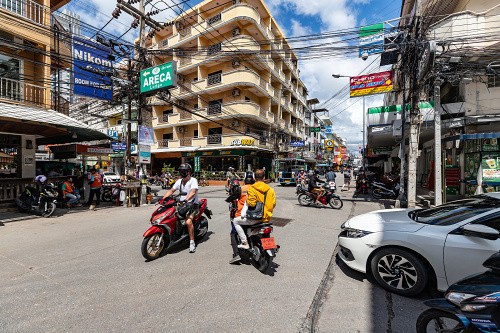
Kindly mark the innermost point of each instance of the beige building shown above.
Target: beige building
(239, 98)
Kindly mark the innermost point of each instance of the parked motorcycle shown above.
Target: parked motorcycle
(111, 192)
(380, 190)
(307, 198)
(167, 227)
(42, 202)
(471, 305)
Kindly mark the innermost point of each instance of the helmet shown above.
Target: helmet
(316, 172)
(249, 177)
(184, 168)
(41, 179)
(230, 168)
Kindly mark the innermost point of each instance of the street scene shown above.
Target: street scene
(250, 166)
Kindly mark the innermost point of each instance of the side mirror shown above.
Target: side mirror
(481, 231)
(493, 262)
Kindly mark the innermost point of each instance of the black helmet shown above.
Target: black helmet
(249, 177)
(186, 167)
(316, 172)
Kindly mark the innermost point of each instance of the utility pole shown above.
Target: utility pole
(438, 187)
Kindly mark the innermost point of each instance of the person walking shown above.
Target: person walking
(347, 179)
(95, 182)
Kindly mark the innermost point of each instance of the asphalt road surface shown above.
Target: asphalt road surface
(82, 271)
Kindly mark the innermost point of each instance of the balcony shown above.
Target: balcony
(214, 79)
(214, 109)
(186, 142)
(184, 115)
(163, 119)
(270, 116)
(28, 9)
(163, 143)
(214, 139)
(214, 19)
(184, 33)
(213, 49)
(20, 91)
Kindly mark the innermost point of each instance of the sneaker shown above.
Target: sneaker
(244, 246)
(235, 260)
(192, 247)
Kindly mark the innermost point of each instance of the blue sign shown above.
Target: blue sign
(118, 146)
(328, 130)
(92, 69)
(297, 144)
(113, 134)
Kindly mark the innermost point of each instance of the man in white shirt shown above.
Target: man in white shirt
(188, 190)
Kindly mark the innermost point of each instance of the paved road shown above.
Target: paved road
(82, 271)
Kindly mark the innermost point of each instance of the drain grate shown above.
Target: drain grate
(280, 221)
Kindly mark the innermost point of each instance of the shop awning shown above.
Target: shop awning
(174, 150)
(475, 136)
(72, 150)
(49, 126)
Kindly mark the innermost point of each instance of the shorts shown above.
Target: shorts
(194, 211)
(316, 190)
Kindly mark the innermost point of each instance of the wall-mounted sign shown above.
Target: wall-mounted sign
(118, 146)
(197, 164)
(328, 130)
(370, 84)
(329, 144)
(315, 129)
(160, 77)
(92, 69)
(113, 134)
(144, 154)
(371, 39)
(297, 144)
(146, 136)
(491, 167)
(242, 142)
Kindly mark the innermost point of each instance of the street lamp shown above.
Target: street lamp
(364, 126)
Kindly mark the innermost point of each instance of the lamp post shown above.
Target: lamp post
(364, 125)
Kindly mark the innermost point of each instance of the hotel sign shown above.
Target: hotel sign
(160, 77)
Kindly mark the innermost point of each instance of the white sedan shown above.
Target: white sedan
(111, 177)
(405, 250)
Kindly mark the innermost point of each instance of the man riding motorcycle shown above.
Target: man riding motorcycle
(188, 190)
(314, 187)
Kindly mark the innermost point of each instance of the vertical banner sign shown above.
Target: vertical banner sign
(376, 83)
(160, 77)
(197, 164)
(92, 69)
(144, 154)
(371, 39)
(146, 136)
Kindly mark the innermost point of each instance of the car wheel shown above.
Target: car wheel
(399, 271)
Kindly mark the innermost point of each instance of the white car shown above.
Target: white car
(405, 250)
(111, 177)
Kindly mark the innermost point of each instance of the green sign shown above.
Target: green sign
(197, 164)
(491, 167)
(159, 77)
(315, 129)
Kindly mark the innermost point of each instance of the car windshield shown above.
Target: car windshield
(455, 211)
(110, 174)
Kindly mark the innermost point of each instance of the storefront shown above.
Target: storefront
(86, 156)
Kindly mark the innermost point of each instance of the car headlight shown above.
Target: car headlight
(457, 298)
(355, 233)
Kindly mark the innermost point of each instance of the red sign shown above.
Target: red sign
(344, 150)
(370, 84)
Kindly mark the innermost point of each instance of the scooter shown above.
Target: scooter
(168, 228)
(307, 198)
(42, 202)
(471, 305)
(380, 190)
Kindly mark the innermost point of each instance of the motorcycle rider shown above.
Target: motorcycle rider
(239, 214)
(256, 193)
(231, 175)
(330, 175)
(314, 186)
(301, 177)
(188, 190)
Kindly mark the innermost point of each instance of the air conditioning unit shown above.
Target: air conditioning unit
(236, 63)
(235, 123)
(181, 129)
(235, 92)
(236, 32)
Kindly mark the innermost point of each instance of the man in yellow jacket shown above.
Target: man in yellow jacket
(256, 193)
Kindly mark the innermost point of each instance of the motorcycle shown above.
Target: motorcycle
(471, 305)
(362, 185)
(42, 202)
(307, 198)
(111, 192)
(167, 227)
(380, 190)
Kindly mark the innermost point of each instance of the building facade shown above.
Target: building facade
(239, 99)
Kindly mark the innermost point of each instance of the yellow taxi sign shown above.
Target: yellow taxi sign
(329, 144)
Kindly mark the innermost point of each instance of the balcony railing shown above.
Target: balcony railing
(213, 109)
(163, 119)
(26, 8)
(270, 115)
(185, 60)
(186, 32)
(163, 143)
(21, 91)
(214, 139)
(213, 49)
(184, 115)
(214, 79)
(214, 19)
(186, 142)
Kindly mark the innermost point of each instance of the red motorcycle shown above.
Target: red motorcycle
(167, 227)
(307, 198)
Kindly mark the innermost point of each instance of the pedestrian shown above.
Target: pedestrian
(347, 178)
(95, 182)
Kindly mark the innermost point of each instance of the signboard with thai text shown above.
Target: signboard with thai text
(371, 39)
(376, 83)
(297, 144)
(315, 129)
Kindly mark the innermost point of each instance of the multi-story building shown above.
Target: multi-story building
(239, 99)
(28, 54)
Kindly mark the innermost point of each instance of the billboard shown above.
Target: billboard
(146, 136)
(371, 39)
(159, 77)
(370, 84)
(92, 69)
(297, 144)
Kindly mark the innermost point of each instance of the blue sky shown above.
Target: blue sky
(296, 18)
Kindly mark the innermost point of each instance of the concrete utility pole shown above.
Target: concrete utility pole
(438, 187)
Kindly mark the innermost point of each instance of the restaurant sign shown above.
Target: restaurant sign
(242, 142)
(376, 83)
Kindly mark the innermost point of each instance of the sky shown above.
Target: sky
(295, 18)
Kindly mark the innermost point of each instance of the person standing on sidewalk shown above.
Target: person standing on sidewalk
(95, 182)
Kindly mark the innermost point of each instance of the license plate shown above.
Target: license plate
(268, 243)
(287, 180)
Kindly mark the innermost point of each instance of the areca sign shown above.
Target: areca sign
(159, 77)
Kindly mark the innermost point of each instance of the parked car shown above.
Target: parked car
(111, 177)
(406, 249)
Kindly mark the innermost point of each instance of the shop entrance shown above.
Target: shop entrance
(10, 156)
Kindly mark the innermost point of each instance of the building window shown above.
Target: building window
(493, 81)
(214, 78)
(196, 107)
(247, 99)
(195, 134)
(10, 77)
(168, 136)
(15, 6)
(214, 107)
(214, 135)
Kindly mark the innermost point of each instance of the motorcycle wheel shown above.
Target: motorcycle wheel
(203, 231)
(107, 196)
(336, 202)
(433, 320)
(304, 199)
(50, 208)
(150, 248)
(264, 261)
(377, 193)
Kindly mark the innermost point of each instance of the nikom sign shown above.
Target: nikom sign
(159, 77)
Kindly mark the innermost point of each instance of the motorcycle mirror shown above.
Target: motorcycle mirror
(493, 262)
